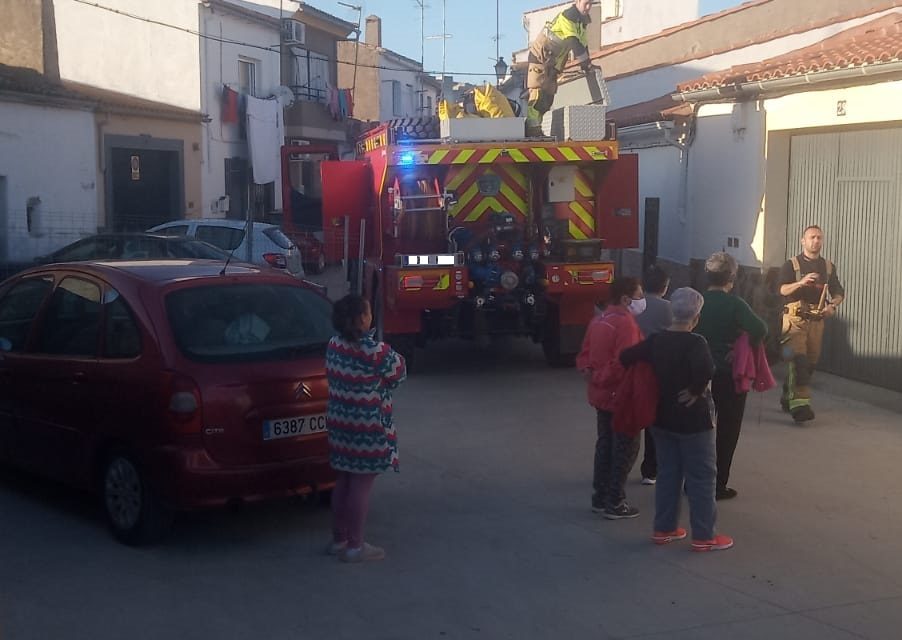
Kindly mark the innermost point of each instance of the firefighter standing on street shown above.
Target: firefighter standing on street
(549, 53)
(812, 293)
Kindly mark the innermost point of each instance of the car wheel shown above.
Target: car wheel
(135, 515)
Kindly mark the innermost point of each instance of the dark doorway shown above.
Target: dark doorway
(145, 188)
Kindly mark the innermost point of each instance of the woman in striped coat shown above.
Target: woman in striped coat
(362, 373)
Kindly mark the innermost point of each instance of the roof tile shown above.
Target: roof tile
(877, 41)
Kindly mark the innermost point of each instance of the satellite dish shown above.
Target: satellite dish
(285, 96)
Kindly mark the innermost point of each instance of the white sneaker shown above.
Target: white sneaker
(649, 481)
(362, 554)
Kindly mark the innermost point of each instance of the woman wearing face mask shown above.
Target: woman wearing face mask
(615, 453)
(722, 319)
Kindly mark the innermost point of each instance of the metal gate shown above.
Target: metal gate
(850, 184)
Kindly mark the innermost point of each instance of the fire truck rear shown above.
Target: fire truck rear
(479, 239)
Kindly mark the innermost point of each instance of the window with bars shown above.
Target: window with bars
(311, 75)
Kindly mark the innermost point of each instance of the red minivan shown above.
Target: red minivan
(165, 385)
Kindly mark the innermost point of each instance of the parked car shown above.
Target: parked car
(165, 385)
(134, 246)
(270, 246)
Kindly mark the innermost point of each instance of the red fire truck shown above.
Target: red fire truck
(475, 239)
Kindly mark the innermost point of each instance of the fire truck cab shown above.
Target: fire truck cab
(475, 239)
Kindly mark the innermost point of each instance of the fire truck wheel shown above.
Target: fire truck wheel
(551, 344)
(406, 345)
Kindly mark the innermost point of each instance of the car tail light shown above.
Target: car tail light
(184, 410)
(276, 260)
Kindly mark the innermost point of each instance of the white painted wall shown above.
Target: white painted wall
(51, 154)
(129, 54)
(645, 17)
(636, 18)
(726, 180)
(658, 180)
(409, 80)
(219, 66)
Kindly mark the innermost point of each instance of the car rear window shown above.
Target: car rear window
(226, 238)
(195, 249)
(248, 322)
(275, 234)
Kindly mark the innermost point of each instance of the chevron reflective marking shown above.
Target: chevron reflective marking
(582, 218)
(490, 156)
(576, 232)
(517, 155)
(463, 156)
(543, 155)
(569, 154)
(438, 156)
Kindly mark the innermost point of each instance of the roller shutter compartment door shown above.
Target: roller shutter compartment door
(850, 184)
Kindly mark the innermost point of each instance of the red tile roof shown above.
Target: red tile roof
(874, 42)
(656, 110)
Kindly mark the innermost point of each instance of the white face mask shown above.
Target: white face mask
(637, 306)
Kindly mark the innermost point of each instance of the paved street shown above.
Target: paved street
(489, 535)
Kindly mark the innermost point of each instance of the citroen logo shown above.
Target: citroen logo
(302, 389)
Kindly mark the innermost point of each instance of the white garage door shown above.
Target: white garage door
(850, 184)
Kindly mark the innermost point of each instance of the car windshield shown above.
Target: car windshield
(248, 322)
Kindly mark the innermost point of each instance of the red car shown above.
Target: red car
(165, 385)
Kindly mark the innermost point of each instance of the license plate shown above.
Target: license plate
(293, 427)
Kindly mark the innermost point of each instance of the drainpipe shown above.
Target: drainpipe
(746, 89)
(683, 142)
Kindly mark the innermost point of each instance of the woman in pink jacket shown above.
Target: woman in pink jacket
(615, 453)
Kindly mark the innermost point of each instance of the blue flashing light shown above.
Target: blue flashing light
(407, 158)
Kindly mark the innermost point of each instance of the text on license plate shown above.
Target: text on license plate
(291, 427)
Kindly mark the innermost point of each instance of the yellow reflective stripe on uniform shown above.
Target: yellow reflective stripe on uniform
(543, 155)
(576, 232)
(463, 156)
(437, 156)
(583, 214)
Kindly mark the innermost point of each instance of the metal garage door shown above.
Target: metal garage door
(850, 184)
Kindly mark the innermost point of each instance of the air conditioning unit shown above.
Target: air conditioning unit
(293, 32)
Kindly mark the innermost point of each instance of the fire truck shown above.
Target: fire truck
(474, 239)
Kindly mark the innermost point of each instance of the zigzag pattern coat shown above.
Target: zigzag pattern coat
(361, 376)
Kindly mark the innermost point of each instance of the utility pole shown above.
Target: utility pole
(444, 35)
(359, 10)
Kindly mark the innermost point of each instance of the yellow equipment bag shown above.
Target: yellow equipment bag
(491, 103)
(448, 110)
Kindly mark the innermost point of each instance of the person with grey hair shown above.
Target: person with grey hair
(683, 428)
(723, 318)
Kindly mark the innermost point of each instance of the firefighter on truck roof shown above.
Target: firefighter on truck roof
(549, 53)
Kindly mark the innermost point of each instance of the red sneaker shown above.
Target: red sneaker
(717, 543)
(666, 537)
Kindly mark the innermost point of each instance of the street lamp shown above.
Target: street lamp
(500, 69)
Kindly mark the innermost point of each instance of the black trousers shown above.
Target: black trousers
(730, 409)
(649, 458)
(615, 455)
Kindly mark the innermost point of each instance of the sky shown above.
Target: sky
(470, 51)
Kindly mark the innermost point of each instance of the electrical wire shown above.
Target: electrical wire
(271, 49)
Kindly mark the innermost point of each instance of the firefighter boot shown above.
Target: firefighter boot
(799, 398)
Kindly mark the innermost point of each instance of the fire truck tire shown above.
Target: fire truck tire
(406, 345)
(551, 344)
